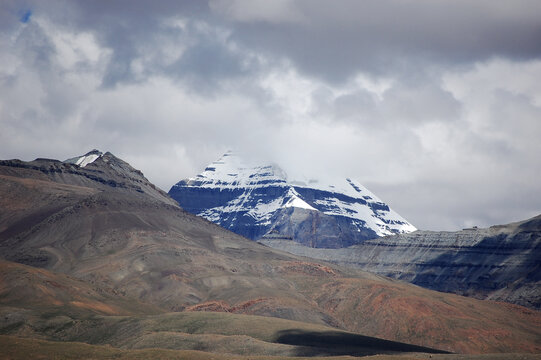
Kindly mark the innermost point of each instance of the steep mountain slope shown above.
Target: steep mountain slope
(105, 224)
(254, 200)
(499, 263)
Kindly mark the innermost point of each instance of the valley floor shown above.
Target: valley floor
(14, 348)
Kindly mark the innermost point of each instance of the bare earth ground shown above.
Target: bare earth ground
(111, 262)
(14, 348)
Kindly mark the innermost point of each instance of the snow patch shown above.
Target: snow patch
(85, 160)
(296, 201)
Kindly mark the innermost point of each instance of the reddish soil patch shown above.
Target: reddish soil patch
(307, 268)
(222, 306)
(217, 306)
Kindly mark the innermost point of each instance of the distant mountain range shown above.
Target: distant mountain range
(257, 200)
(93, 252)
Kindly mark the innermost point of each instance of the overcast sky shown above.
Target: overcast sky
(434, 105)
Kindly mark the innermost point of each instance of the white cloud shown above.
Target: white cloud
(447, 146)
(276, 11)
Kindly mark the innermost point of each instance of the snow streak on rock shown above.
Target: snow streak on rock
(86, 159)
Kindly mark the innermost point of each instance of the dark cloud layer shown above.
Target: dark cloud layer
(434, 105)
(335, 39)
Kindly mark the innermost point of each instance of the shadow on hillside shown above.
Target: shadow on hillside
(332, 343)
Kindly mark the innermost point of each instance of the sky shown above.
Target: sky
(434, 105)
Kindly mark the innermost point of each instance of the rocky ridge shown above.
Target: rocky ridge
(97, 170)
(499, 263)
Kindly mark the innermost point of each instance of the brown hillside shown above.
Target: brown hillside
(115, 231)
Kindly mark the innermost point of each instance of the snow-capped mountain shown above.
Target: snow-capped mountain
(258, 200)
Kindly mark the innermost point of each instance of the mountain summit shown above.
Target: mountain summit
(259, 200)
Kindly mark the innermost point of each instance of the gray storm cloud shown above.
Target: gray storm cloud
(433, 105)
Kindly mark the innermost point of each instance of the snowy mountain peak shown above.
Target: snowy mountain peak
(85, 159)
(232, 171)
(254, 199)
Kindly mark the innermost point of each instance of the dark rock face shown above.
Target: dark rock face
(309, 227)
(318, 230)
(255, 200)
(198, 200)
(498, 263)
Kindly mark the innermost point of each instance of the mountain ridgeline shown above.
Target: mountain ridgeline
(259, 200)
(502, 262)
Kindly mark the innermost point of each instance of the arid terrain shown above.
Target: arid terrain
(101, 260)
(500, 263)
